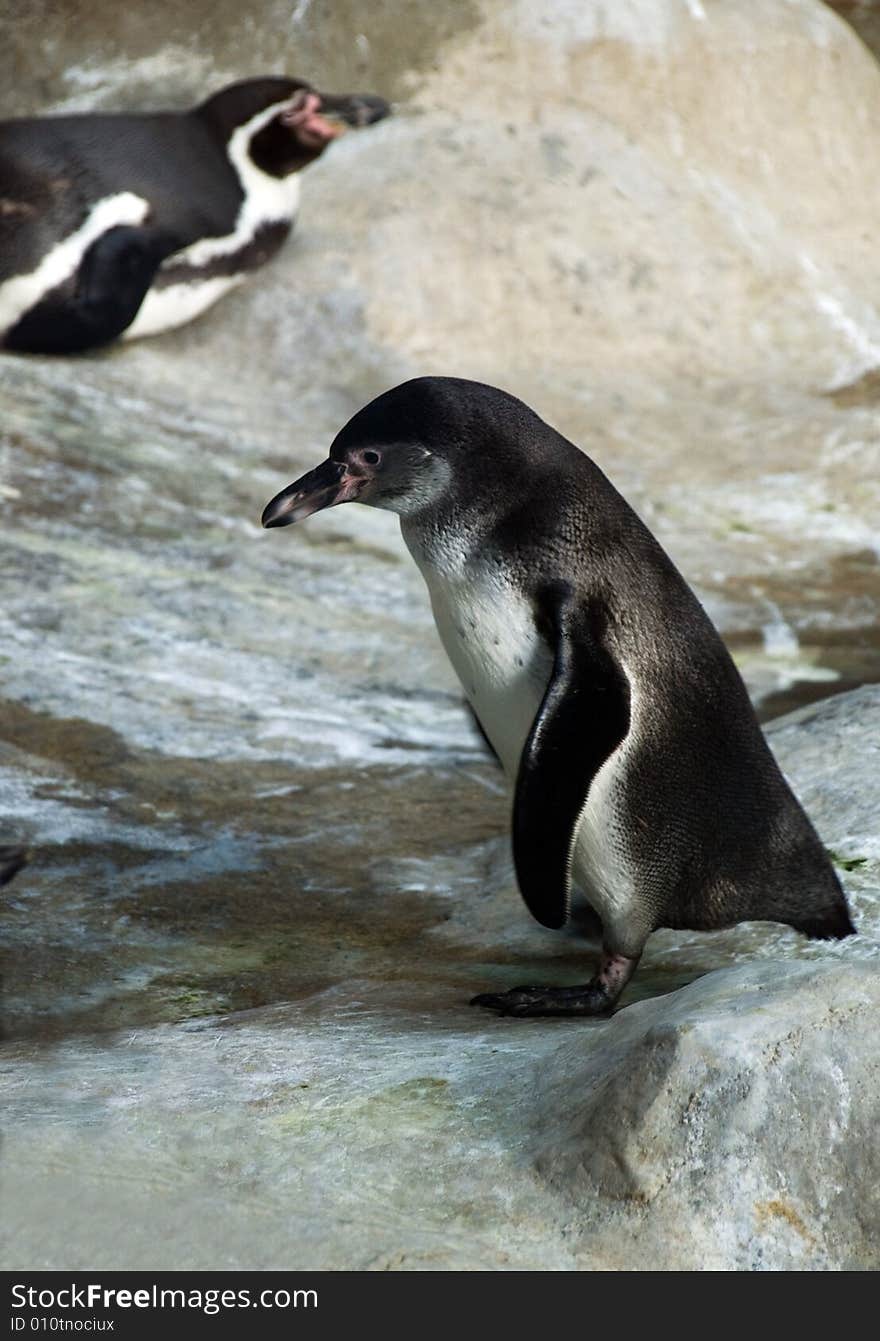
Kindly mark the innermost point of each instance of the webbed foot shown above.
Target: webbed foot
(590, 999)
(597, 997)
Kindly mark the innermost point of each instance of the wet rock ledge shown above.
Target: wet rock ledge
(379, 1123)
(269, 858)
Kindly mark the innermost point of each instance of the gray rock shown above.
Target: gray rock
(730, 1125)
(269, 856)
(379, 1123)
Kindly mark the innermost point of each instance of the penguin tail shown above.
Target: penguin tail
(820, 908)
(832, 925)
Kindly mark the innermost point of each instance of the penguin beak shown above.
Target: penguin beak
(323, 487)
(308, 113)
(355, 109)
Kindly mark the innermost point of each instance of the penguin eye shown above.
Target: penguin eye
(371, 458)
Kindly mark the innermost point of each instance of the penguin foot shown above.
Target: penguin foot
(597, 997)
(590, 999)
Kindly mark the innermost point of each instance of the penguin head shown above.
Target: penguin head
(290, 122)
(415, 447)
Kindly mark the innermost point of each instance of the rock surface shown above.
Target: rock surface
(379, 1123)
(269, 857)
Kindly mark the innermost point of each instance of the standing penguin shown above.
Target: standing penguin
(134, 224)
(640, 770)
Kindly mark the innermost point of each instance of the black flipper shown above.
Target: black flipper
(114, 276)
(584, 717)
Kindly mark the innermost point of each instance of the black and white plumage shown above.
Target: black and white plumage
(127, 225)
(640, 771)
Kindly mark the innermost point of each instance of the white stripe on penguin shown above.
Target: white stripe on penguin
(19, 294)
(267, 199)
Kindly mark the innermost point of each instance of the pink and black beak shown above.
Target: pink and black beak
(315, 117)
(355, 109)
(324, 487)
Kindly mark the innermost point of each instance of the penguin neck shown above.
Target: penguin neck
(266, 200)
(486, 490)
(444, 539)
(240, 144)
(258, 145)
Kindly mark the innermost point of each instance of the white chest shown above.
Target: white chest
(488, 630)
(173, 305)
